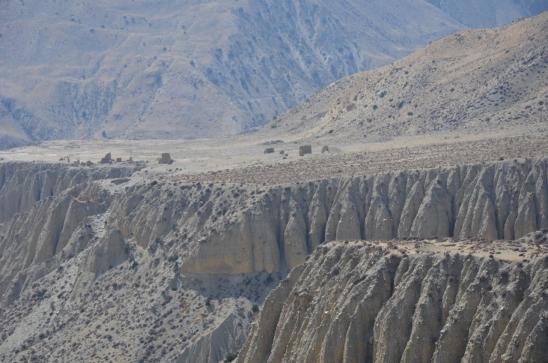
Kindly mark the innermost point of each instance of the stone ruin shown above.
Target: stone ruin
(166, 159)
(107, 159)
(305, 149)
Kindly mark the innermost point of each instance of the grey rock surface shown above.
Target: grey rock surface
(362, 303)
(174, 271)
(503, 200)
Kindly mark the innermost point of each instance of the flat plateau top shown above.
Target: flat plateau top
(525, 249)
(242, 160)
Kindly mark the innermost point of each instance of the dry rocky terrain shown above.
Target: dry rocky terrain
(107, 263)
(370, 302)
(197, 68)
(414, 248)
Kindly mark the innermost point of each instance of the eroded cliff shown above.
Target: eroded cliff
(253, 229)
(112, 263)
(356, 302)
(91, 268)
(489, 201)
(45, 216)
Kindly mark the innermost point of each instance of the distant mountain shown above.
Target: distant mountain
(471, 81)
(489, 13)
(191, 68)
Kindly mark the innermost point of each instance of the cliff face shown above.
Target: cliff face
(77, 242)
(360, 303)
(45, 211)
(175, 269)
(247, 229)
(23, 185)
(498, 201)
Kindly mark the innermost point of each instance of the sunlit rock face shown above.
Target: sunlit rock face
(176, 271)
(497, 201)
(354, 302)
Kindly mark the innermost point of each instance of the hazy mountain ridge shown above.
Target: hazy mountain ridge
(489, 13)
(189, 68)
(286, 50)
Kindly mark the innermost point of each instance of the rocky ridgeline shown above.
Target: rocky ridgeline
(43, 210)
(488, 201)
(22, 185)
(239, 229)
(104, 235)
(360, 303)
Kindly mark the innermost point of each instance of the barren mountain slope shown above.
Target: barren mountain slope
(476, 80)
(181, 68)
